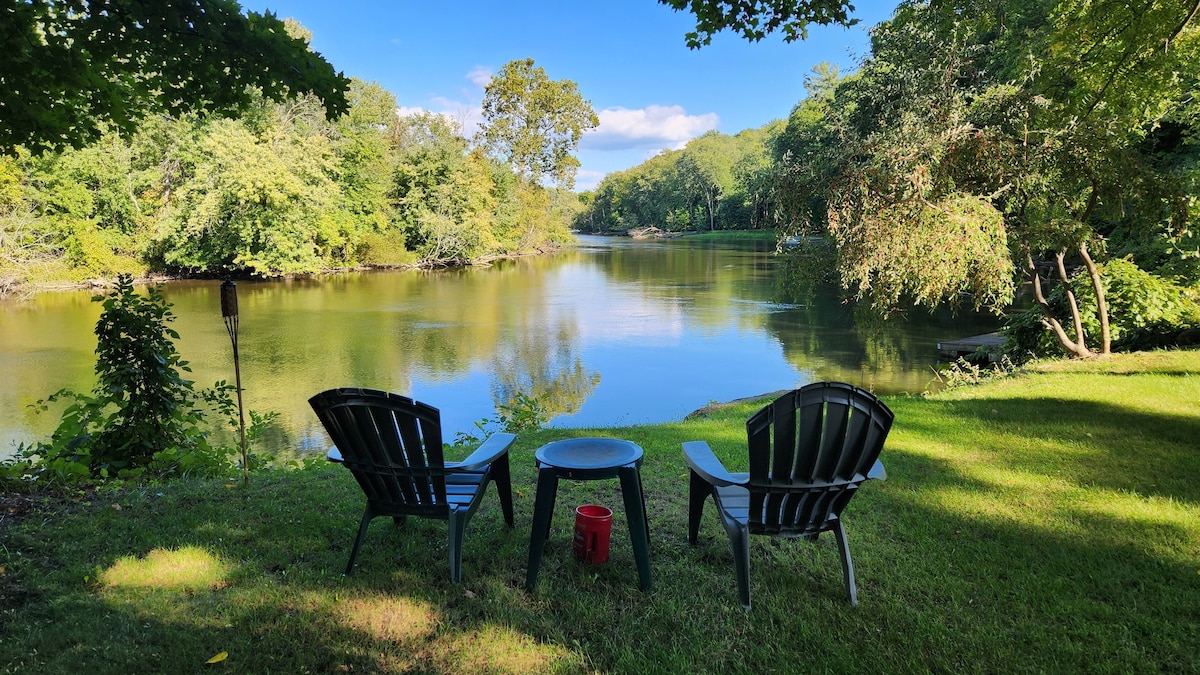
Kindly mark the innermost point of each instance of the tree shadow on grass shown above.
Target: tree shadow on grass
(1086, 443)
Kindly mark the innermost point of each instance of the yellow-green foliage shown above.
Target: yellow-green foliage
(280, 190)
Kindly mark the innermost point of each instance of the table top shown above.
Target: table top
(589, 453)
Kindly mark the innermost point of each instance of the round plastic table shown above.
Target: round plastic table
(590, 459)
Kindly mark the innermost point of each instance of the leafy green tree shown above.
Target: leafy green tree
(753, 172)
(716, 181)
(266, 202)
(365, 147)
(804, 157)
(443, 195)
(706, 169)
(535, 123)
(90, 203)
(70, 67)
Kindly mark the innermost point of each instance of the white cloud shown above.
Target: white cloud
(654, 126)
(465, 115)
(480, 76)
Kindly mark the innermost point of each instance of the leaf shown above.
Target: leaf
(218, 658)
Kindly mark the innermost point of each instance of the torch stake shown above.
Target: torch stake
(229, 310)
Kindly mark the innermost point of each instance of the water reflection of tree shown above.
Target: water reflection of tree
(821, 334)
(545, 365)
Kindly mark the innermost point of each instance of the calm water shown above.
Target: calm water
(615, 331)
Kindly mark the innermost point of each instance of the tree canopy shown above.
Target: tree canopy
(72, 67)
(277, 190)
(535, 123)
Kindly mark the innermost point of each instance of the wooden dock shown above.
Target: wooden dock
(969, 347)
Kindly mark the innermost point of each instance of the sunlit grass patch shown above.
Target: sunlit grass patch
(185, 568)
(388, 617)
(495, 649)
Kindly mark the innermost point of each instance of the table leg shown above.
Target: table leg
(639, 526)
(543, 510)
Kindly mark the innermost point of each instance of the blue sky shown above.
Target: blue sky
(627, 56)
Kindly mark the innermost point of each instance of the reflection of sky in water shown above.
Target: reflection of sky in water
(608, 312)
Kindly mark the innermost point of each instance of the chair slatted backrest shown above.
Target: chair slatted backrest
(392, 445)
(810, 449)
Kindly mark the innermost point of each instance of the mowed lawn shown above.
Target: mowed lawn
(1045, 522)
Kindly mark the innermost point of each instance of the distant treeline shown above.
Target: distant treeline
(717, 182)
(278, 190)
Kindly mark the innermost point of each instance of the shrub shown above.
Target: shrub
(142, 414)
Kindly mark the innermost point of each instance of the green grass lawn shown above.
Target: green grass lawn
(1046, 522)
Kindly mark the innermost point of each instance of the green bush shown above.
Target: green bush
(142, 415)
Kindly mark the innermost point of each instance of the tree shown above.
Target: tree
(443, 195)
(366, 154)
(980, 138)
(754, 19)
(535, 123)
(72, 66)
(260, 197)
(705, 169)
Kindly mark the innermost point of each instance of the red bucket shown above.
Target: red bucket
(593, 527)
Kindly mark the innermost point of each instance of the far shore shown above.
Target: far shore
(14, 288)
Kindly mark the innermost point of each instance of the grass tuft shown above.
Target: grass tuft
(188, 568)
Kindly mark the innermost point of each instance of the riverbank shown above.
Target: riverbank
(1049, 521)
(10, 287)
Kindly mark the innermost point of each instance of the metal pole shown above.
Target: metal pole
(229, 310)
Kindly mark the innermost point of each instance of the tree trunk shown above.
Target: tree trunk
(1101, 303)
(1071, 347)
(1076, 319)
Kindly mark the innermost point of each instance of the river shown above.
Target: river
(615, 332)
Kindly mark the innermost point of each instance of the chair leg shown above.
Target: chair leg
(456, 527)
(698, 491)
(847, 565)
(368, 514)
(739, 539)
(503, 479)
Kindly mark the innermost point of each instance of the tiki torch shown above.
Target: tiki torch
(229, 310)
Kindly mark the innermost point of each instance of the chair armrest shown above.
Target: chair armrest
(877, 472)
(334, 455)
(704, 463)
(490, 451)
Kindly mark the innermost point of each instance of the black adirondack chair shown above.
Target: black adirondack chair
(810, 449)
(393, 447)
